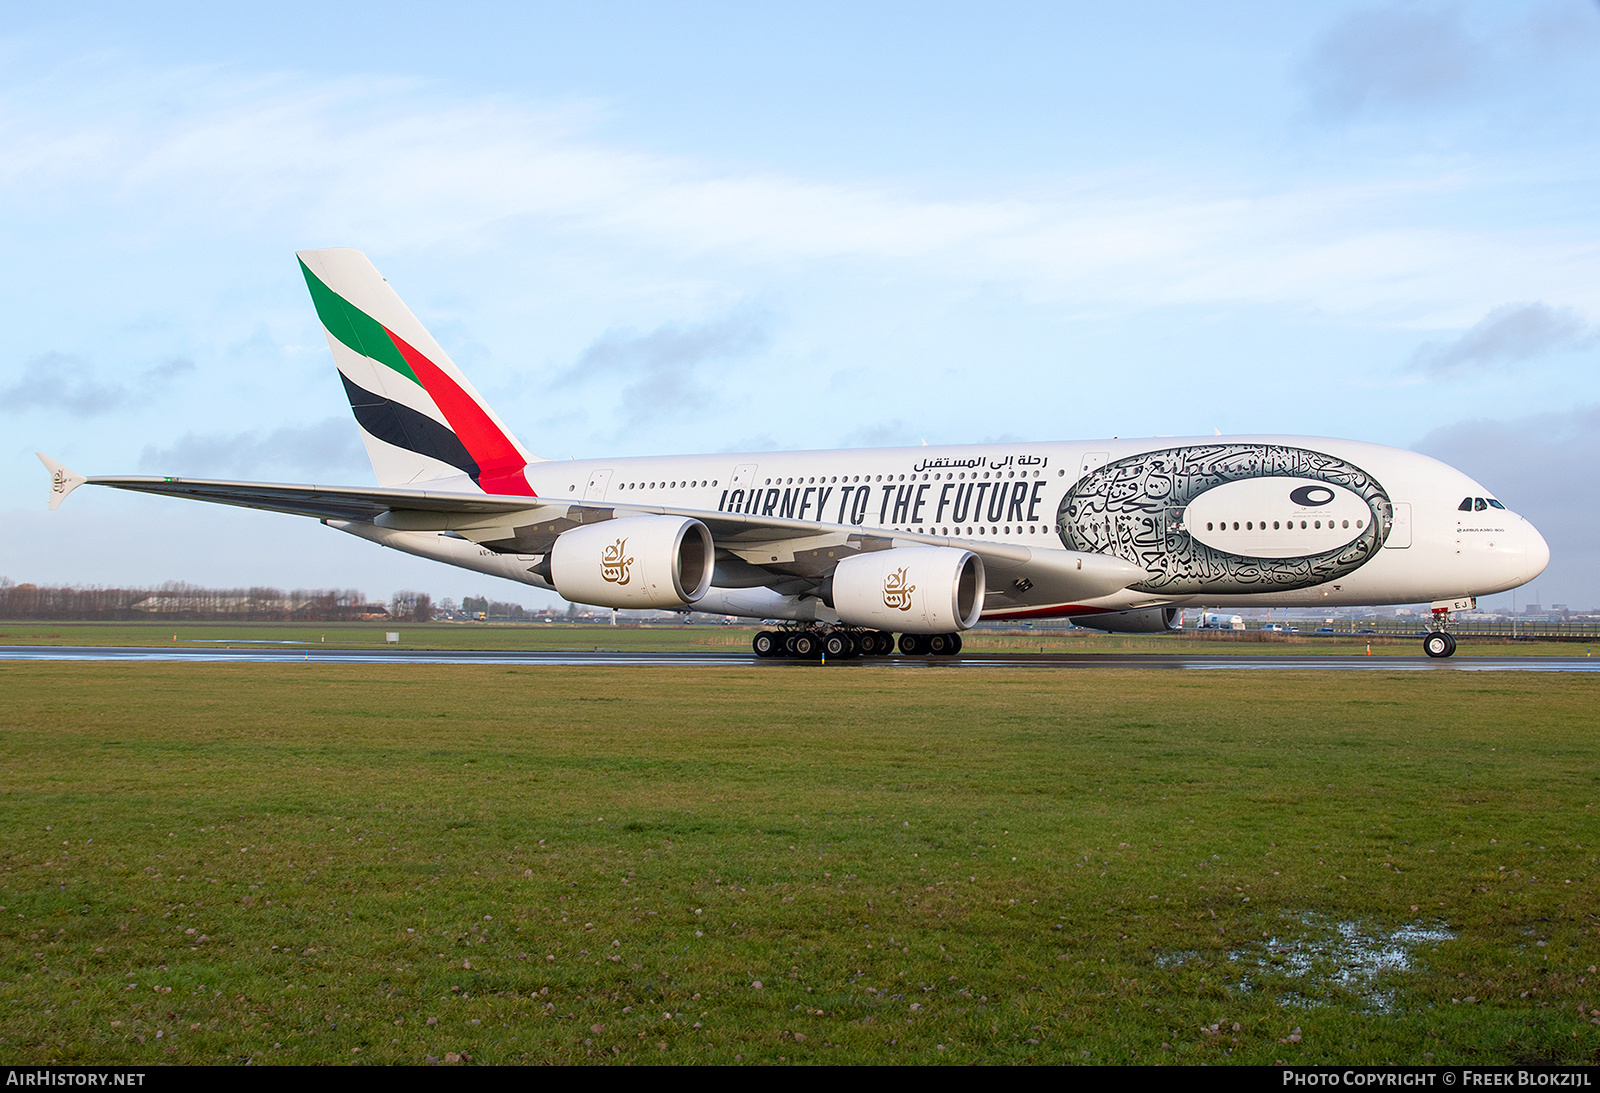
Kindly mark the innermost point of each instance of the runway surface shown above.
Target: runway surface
(1352, 662)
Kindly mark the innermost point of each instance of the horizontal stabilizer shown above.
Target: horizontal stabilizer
(63, 480)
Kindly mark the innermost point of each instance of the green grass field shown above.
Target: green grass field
(669, 637)
(311, 863)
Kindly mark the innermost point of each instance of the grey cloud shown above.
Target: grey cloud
(168, 369)
(1509, 334)
(329, 447)
(1400, 55)
(63, 381)
(657, 370)
(1543, 467)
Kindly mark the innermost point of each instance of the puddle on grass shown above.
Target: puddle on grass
(1350, 957)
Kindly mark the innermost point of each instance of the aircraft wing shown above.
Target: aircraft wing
(784, 554)
(323, 502)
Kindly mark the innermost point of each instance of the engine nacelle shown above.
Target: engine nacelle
(1150, 620)
(914, 590)
(638, 561)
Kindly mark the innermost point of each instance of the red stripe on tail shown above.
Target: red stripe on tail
(500, 464)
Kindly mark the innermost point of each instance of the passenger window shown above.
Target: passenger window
(1466, 505)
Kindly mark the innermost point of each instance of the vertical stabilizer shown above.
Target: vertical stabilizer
(419, 416)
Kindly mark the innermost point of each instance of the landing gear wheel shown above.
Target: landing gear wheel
(913, 645)
(956, 639)
(1439, 644)
(940, 645)
(803, 645)
(838, 646)
(766, 644)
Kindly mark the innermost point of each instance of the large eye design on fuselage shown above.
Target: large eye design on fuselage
(1229, 518)
(1311, 496)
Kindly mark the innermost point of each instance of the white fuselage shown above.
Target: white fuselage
(1011, 493)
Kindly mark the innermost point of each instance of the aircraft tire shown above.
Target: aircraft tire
(913, 645)
(939, 645)
(1439, 645)
(766, 644)
(838, 646)
(803, 645)
(956, 640)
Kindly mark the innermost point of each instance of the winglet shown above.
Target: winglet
(62, 480)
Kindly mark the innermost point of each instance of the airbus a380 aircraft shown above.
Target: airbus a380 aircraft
(851, 547)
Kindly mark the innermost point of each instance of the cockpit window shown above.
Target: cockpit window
(1495, 504)
(1466, 504)
(1479, 504)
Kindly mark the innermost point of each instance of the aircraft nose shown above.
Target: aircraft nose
(1535, 550)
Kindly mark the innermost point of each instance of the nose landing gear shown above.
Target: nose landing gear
(1439, 643)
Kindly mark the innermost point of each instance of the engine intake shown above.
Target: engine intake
(914, 590)
(637, 561)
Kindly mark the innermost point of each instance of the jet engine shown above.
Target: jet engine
(1151, 620)
(914, 590)
(637, 561)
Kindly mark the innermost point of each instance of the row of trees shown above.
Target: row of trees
(412, 606)
(494, 609)
(177, 600)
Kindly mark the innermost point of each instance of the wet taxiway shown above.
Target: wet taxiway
(1352, 662)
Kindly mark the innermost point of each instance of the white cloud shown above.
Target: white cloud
(358, 161)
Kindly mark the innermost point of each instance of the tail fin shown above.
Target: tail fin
(419, 417)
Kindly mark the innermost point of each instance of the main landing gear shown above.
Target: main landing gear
(939, 645)
(839, 643)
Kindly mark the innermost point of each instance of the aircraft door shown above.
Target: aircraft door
(1092, 461)
(598, 481)
(1400, 528)
(743, 475)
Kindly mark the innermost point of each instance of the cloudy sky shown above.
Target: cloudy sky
(653, 228)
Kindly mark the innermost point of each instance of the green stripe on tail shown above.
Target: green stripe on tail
(355, 328)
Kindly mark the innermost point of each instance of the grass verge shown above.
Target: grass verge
(313, 863)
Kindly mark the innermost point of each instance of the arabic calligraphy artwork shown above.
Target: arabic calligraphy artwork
(896, 592)
(614, 563)
(1134, 508)
(998, 463)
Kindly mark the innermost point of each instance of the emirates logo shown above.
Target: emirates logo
(614, 562)
(896, 592)
(58, 480)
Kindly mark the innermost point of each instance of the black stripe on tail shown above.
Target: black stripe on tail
(400, 425)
